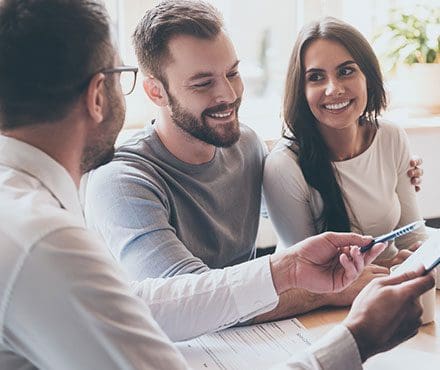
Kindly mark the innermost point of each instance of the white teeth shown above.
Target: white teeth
(337, 106)
(220, 115)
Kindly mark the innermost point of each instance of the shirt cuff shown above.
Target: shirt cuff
(252, 288)
(337, 350)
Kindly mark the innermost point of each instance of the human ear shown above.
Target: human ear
(155, 91)
(95, 97)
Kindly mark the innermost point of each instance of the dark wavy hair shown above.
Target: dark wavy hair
(300, 124)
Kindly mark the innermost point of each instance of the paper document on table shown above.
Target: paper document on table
(252, 347)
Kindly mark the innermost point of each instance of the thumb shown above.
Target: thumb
(411, 283)
(340, 240)
(371, 254)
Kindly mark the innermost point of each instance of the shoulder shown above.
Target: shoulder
(282, 155)
(28, 219)
(392, 136)
(117, 181)
(393, 145)
(133, 163)
(130, 139)
(138, 149)
(282, 167)
(389, 130)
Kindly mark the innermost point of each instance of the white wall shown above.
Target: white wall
(425, 141)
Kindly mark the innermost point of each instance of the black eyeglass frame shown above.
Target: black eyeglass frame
(123, 69)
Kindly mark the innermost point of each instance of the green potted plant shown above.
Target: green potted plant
(411, 50)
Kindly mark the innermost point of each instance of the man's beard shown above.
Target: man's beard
(222, 135)
(101, 148)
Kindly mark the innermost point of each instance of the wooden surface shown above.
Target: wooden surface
(421, 351)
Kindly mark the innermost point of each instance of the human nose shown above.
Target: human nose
(226, 92)
(334, 87)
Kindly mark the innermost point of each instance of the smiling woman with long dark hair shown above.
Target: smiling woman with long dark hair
(338, 167)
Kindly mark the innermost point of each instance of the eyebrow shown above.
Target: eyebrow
(200, 75)
(347, 62)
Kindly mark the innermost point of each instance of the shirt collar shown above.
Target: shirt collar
(26, 158)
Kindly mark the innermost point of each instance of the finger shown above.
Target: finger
(415, 246)
(416, 180)
(402, 256)
(419, 285)
(376, 269)
(345, 239)
(414, 282)
(400, 278)
(415, 161)
(377, 249)
(350, 271)
(358, 258)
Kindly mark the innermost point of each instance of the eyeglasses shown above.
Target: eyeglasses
(127, 77)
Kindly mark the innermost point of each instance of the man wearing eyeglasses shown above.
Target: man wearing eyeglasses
(64, 304)
(183, 196)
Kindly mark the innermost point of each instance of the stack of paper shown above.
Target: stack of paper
(252, 347)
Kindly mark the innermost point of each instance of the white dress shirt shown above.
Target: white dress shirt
(64, 303)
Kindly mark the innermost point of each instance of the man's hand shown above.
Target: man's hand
(346, 297)
(415, 172)
(328, 262)
(388, 312)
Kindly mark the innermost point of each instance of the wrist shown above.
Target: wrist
(283, 267)
(330, 299)
(361, 337)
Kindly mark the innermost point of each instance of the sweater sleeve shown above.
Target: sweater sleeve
(406, 193)
(132, 215)
(288, 198)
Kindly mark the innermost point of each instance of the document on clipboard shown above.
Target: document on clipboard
(252, 347)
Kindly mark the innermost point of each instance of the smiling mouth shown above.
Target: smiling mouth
(221, 114)
(338, 106)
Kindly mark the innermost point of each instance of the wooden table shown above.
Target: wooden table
(421, 352)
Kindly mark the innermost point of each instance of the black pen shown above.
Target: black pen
(393, 234)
